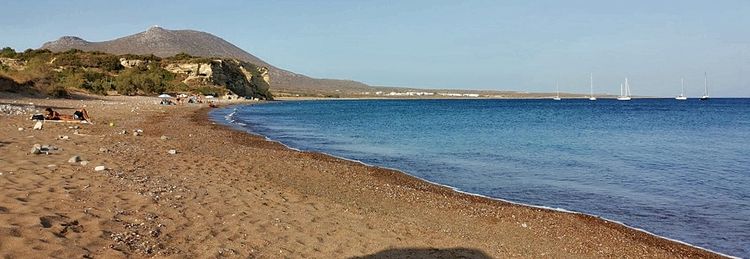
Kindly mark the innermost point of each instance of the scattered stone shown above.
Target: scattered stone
(38, 125)
(100, 168)
(103, 150)
(136, 133)
(84, 163)
(524, 225)
(13, 110)
(74, 159)
(76, 132)
(63, 137)
(36, 149)
(123, 132)
(172, 151)
(20, 129)
(51, 166)
(164, 137)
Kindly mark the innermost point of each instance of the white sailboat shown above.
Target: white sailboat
(624, 91)
(557, 98)
(682, 96)
(591, 82)
(705, 87)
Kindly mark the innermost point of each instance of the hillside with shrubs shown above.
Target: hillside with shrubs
(60, 73)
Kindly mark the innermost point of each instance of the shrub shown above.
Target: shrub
(30, 54)
(108, 63)
(8, 52)
(181, 56)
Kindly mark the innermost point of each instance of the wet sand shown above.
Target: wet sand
(229, 193)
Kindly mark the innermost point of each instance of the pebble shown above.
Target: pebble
(83, 163)
(38, 125)
(36, 149)
(136, 133)
(103, 150)
(164, 137)
(20, 129)
(74, 159)
(64, 137)
(172, 151)
(100, 168)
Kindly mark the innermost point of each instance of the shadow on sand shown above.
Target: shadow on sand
(427, 253)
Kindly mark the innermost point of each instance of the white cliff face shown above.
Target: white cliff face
(264, 73)
(235, 75)
(194, 71)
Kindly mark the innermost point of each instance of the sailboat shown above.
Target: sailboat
(591, 82)
(682, 96)
(557, 98)
(705, 87)
(624, 91)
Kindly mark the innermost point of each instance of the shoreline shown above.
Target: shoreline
(454, 189)
(229, 193)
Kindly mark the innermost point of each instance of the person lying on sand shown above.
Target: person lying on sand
(78, 115)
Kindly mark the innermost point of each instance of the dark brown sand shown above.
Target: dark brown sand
(228, 193)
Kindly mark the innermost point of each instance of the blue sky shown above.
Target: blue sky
(502, 45)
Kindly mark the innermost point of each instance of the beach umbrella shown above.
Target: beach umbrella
(165, 96)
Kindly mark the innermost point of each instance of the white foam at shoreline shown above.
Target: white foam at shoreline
(473, 194)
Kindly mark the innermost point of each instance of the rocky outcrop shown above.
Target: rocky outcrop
(193, 70)
(241, 78)
(128, 63)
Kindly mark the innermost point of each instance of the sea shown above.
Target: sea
(677, 169)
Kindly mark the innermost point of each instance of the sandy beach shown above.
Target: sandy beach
(226, 193)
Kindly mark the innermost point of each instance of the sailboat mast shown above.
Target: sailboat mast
(557, 87)
(591, 82)
(627, 87)
(705, 84)
(682, 83)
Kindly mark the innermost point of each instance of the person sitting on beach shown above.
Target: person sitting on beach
(78, 115)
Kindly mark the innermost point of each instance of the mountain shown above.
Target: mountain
(163, 43)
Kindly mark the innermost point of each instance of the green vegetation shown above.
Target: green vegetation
(7, 52)
(100, 73)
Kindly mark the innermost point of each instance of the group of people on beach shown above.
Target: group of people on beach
(78, 116)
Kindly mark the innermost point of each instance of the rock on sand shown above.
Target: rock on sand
(74, 159)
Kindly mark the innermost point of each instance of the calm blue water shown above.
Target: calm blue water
(677, 169)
